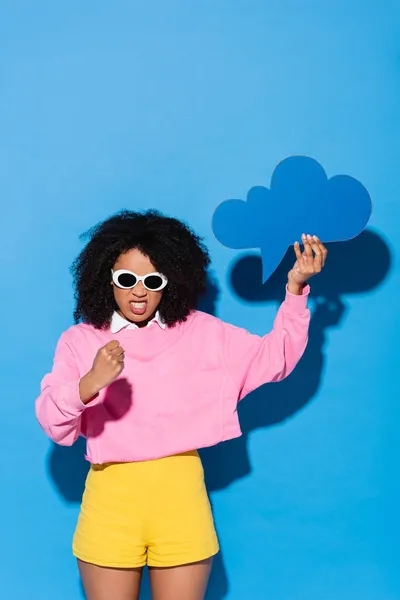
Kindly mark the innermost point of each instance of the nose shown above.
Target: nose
(139, 291)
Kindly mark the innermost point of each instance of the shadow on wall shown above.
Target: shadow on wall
(353, 267)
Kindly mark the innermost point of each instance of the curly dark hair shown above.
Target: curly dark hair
(173, 248)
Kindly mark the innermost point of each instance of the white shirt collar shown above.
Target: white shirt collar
(118, 323)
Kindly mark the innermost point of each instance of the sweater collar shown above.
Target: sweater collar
(118, 323)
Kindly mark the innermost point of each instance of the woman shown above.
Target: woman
(148, 380)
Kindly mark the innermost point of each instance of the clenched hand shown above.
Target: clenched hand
(107, 366)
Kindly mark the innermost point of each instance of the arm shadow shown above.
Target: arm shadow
(67, 466)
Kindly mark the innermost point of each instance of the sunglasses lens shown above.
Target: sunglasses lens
(127, 280)
(153, 282)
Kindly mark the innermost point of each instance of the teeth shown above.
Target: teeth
(138, 304)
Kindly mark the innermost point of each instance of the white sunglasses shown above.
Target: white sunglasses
(126, 280)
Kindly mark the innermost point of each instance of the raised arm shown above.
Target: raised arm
(254, 360)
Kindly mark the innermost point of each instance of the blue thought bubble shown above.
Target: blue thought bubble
(301, 199)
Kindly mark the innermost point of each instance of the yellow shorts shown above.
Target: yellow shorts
(155, 512)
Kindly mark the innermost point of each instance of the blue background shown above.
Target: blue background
(181, 105)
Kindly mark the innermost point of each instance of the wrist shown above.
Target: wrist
(295, 288)
(88, 388)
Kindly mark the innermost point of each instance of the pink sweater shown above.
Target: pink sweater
(179, 388)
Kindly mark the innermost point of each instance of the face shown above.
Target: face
(137, 304)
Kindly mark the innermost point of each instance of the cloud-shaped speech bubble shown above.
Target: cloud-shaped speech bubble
(301, 199)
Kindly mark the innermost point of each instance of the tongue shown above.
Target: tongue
(138, 310)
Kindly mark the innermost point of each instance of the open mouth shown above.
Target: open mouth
(138, 308)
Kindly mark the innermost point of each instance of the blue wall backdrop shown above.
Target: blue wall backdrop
(180, 105)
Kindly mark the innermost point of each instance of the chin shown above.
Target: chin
(137, 318)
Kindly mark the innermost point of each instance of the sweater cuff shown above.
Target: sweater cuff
(297, 304)
(72, 399)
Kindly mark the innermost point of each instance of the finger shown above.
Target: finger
(316, 240)
(318, 260)
(324, 254)
(315, 247)
(319, 257)
(322, 248)
(112, 345)
(116, 360)
(116, 354)
(298, 253)
(117, 351)
(307, 247)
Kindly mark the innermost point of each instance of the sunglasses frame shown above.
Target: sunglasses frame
(116, 274)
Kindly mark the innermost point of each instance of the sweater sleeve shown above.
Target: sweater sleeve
(59, 407)
(253, 360)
